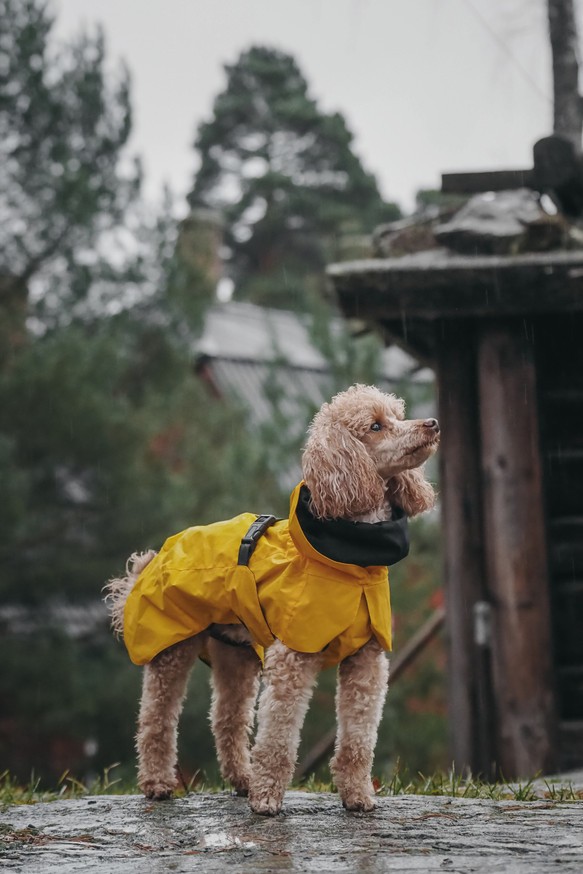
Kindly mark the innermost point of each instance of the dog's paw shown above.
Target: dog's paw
(264, 803)
(239, 781)
(359, 801)
(156, 791)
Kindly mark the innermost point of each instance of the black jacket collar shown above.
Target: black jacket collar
(361, 543)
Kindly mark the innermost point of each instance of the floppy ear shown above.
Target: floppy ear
(411, 491)
(340, 474)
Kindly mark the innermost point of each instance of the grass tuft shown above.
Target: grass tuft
(455, 785)
(451, 785)
(13, 791)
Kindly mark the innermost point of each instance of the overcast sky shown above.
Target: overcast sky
(426, 86)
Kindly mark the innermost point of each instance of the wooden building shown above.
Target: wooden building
(504, 334)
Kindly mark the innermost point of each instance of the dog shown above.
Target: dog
(299, 594)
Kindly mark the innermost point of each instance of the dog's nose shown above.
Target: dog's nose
(433, 424)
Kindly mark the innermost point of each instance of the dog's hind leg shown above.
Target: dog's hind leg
(289, 681)
(163, 691)
(362, 686)
(235, 682)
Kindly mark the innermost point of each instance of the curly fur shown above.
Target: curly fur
(361, 458)
(118, 588)
(353, 473)
(340, 474)
(411, 491)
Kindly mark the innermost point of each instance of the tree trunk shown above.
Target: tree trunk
(568, 112)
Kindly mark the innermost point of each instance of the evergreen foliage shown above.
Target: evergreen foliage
(101, 454)
(286, 178)
(107, 441)
(63, 123)
(101, 411)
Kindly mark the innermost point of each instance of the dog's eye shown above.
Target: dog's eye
(376, 426)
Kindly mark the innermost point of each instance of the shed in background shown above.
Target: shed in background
(503, 327)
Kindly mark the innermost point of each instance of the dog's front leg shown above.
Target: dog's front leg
(163, 690)
(235, 681)
(289, 681)
(362, 686)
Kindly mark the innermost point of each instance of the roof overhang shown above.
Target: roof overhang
(406, 296)
(437, 284)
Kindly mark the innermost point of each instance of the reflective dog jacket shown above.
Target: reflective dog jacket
(315, 585)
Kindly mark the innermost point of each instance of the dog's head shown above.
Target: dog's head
(362, 452)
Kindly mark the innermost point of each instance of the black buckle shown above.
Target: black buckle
(249, 542)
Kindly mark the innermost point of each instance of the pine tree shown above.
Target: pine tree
(285, 177)
(63, 125)
(107, 442)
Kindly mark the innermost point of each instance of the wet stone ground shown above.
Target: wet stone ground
(209, 833)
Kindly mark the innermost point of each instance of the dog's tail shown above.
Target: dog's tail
(118, 589)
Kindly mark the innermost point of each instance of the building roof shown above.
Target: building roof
(238, 336)
(501, 254)
(265, 360)
(245, 332)
(438, 283)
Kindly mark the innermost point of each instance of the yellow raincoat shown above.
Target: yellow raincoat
(289, 590)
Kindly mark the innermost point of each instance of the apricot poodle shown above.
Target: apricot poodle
(299, 594)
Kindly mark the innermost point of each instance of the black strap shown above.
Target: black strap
(249, 542)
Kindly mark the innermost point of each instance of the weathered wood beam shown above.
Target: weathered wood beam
(432, 285)
(417, 338)
(470, 712)
(557, 171)
(571, 734)
(479, 181)
(568, 112)
(516, 555)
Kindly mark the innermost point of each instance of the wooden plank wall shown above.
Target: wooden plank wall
(559, 345)
(503, 711)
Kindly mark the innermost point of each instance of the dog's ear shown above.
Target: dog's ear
(340, 474)
(411, 491)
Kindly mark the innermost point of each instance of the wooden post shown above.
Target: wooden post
(470, 712)
(568, 113)
(516, 557)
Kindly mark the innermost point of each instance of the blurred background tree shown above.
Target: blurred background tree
(104, 430)
(63, 125)
(286, 178)
(98, 398)
(107, 441)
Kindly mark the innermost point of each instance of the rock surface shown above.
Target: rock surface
(492, 223)
(501, 223)
(209, 833)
